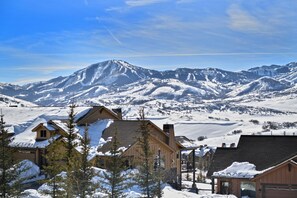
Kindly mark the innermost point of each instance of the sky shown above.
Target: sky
(40, 40)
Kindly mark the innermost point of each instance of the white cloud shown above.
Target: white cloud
(241, 20)
(138, 3)
(48, 69)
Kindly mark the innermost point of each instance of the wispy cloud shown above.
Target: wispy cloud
(241, 20)
(208, 54)
(109, 32)
(138, 3)
(23, 81)
(44, 69)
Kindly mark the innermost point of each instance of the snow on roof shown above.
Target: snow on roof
(61, 124)
(239, 170)
(82, 113)
(95, 131)
(48, 126)
(27, 138)
(200, 152)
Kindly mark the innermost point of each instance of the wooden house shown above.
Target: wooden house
(102, 123)
(260, 166)
(162, 142)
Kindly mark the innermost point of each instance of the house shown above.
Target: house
(260, 166)
(203, 154)
(102, 124)
(162, 142)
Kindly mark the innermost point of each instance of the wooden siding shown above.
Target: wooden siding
(29, 154)
(284, 175)
(38, 133)
(159, 134)
(234, 185)
(166, 154)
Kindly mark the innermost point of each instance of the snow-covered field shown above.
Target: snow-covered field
(219, 127)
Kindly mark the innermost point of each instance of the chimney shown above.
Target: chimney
(169, 130)
(118, 111)
(223, 145)
(232, 145)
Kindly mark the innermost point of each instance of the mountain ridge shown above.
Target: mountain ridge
(123, 81)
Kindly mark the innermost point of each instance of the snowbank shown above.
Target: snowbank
(28, 169)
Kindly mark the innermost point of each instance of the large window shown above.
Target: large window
(248, 189)
(43, 133)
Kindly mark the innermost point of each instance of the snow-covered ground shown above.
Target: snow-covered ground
(168, 192)
(219, 126)
(134, 191)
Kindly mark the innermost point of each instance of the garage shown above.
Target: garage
(277, 191)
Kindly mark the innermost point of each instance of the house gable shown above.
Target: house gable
(43, 132)
(285, 173)
(166, 152)
(97, 113)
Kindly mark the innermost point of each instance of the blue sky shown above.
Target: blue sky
(40, 40)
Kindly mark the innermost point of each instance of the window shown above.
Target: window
(248, 189)
(225, 187)
(159, 161)
(43, 133)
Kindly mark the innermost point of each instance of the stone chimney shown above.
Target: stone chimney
(118, 111)
(169, 130)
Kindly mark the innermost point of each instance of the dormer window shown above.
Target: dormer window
(43, 133)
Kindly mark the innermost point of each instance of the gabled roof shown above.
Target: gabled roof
(185, 142)
(46, 125)
(127, 134)
(93, 111)
(262, 151)
(292, 161)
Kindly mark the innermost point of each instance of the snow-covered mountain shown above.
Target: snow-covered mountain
(118, 82)
(8, 101)
(261, 86)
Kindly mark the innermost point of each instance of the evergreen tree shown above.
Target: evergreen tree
(145, 177)
(71, 155)
(10, 173)
(6, 160)
(116, 181)
(83, 177)
(54, 167)
(71, 135)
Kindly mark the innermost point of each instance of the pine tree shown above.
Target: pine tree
(10, 173)
(71, 135)
(116, 181)
(54, 167)
(145, 177)
(6, 160)
(71, 155)
(83, 184)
